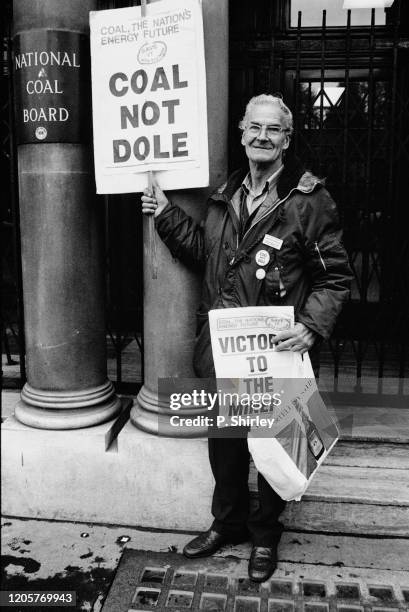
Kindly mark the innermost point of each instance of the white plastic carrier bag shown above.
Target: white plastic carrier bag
(303, 434)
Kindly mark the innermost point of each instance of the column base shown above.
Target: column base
(67, 409)
(151, 413)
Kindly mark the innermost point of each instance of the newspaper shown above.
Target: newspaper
(273, 394)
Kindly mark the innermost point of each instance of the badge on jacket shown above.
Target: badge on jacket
(272, 241)
(262, 257)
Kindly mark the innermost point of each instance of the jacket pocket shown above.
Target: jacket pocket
(317, 248)
(273, 285)
(326, 253)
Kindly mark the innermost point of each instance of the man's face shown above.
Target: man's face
(262, 138)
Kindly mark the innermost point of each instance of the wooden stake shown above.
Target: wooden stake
(151, 220)
(152, 233)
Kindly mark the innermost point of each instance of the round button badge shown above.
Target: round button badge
(262, 257)
(41, 133)
(260, 273)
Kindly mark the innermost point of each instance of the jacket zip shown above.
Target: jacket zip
(268, 213)
(319, 253)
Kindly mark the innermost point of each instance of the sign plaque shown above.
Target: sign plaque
(52, 86)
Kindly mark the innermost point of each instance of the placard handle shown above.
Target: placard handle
(152, 233)
(151, 220)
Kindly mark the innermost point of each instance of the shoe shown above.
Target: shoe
(205, 544)
(263, 562)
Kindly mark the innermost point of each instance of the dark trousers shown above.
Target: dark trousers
(233, 516)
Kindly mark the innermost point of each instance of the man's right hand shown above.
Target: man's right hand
(153, 200)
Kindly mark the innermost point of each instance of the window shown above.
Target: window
(325, 108)
(336, 15)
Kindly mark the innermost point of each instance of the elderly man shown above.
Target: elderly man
(271, 237)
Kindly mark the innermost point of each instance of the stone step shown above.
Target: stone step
(362, 488)
(374, 486)
(329, 516)
(354, 500)
(372, 423)
(372, 454)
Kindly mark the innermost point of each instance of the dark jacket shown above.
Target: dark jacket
(311, 266)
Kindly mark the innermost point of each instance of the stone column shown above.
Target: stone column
(61, 229)
(171, 299)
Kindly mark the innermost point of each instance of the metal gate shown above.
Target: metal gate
(12, 337)
(348, 89)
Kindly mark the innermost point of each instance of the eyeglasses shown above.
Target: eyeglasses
(255, 129)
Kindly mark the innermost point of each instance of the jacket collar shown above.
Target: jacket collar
(293, 176)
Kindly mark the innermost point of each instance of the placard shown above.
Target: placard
(149, 97)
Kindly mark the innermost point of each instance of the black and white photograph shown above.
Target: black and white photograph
(204, 305)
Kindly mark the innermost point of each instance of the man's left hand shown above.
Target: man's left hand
(300, 338)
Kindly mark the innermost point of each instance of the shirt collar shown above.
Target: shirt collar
(272, 180)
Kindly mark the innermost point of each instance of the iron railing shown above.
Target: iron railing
(356, 135)
(347, 87)
(12, 316)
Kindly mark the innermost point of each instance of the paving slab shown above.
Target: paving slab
(9, 400)
(84, 557)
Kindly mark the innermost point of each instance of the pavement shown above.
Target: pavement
(323, 569)
(45, 555)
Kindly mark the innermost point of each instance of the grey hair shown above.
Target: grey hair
(275, 100)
